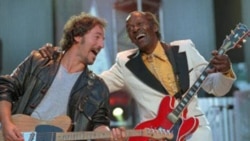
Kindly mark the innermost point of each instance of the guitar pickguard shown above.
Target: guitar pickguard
(42, 133)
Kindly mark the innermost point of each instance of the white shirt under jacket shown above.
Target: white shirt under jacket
(148, 99)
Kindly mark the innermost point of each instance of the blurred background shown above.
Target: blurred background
(26, 25)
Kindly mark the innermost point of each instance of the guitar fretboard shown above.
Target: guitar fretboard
(93, 135)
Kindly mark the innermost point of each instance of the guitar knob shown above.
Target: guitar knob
(244, 41)
(238, 46)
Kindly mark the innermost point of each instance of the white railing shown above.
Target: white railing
(229, 117)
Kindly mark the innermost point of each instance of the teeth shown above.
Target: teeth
(139, 36)
(95, 51)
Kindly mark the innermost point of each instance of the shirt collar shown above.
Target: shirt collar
(159, 52)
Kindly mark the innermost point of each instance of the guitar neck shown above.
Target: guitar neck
(56, 130)
(174, 115)
(93, 135)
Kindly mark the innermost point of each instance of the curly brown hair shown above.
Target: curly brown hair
(78, 25)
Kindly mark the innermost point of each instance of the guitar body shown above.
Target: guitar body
(181, 129)
(29, 125)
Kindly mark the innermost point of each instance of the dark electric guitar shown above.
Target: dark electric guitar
(173, 119)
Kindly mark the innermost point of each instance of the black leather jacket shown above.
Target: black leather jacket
(26, 86)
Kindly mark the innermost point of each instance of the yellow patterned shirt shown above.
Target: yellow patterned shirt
(161, 68)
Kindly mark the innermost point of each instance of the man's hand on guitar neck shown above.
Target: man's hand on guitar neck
(221, 63)
(117, 134)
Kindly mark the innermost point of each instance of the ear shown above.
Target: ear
(156, 28)
(77, 39)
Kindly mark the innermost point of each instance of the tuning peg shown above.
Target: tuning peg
(232, 32)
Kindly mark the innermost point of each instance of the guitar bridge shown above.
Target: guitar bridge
(29, 136)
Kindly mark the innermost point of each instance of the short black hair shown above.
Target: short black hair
(151, 18)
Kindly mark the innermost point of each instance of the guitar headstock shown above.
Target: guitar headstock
(156, 134)
(236, 38)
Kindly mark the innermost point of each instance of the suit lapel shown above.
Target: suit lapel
(139, 69)
(183, 73)
(180, 67)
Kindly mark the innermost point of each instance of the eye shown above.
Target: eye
(139, 24)
(97, 37)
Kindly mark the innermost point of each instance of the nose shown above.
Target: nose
(135, 28)
(101, 43)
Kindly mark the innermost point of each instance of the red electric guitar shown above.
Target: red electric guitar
(173, 119)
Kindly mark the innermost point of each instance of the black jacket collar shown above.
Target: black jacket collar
(178, 61)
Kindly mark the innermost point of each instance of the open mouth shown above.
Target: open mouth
(140, 36)
(95, 52)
